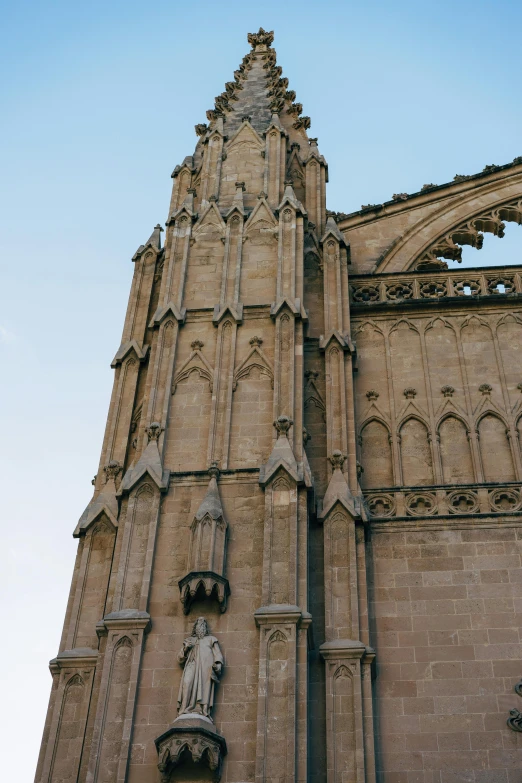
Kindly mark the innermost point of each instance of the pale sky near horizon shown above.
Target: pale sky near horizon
(99, 104)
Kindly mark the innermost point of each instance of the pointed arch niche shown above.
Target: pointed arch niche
(252, 409)
(416, 458)
(188, 430)
(376, 455)
(455, 452)
(259, 257)
(495, 450)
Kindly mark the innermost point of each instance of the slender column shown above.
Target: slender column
(346, 610)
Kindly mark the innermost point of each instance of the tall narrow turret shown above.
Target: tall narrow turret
(204, 500)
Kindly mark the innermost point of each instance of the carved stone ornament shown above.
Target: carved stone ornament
(463, 502)
(518, 688)
(337, 460)
(421, 504)
(381, 505)
(207, 551)
(154, 431)
(410, 393)
(448, 391)
(282, 425)
(112, 470)
(372, 395)
(261, 38)
(515, 720)
(193, 730)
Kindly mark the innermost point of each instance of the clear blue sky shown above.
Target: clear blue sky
(99, 102)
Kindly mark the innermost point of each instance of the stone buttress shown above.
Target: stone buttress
(204, 500)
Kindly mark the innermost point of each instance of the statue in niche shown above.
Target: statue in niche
(202, 660)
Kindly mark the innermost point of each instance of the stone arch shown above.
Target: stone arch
(455, 451)
(376, 454)
(416, 456)
(501, 196)
(495, 449)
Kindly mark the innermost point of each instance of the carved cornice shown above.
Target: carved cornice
(278, 613)
(79, 658)
(342, 648)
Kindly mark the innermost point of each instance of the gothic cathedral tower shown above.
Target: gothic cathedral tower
(218, 623)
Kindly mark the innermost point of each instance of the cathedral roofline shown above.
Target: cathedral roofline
(404, 201)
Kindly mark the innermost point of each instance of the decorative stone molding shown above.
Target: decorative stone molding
(381, 505)
(463, 502)
(154, 431)
(505, 500)
(443, 501)
(471, 232)
(421, 504)
(449, 285)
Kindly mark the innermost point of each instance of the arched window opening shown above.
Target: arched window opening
(504, 249)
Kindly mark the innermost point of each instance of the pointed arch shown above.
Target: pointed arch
(406, 360)
(376, 454)
(495, 449)
(455, 450)
(416, 455)
(509, 336)
(343, 671)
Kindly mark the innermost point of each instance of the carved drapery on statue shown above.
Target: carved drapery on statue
(193, 732)
(203, 665)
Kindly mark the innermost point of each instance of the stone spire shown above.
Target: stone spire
(258, 91)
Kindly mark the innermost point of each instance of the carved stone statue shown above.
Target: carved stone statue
(203, 665)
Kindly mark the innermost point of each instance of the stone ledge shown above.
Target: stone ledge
(124, 619)
(279, 613)
(342, 648)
